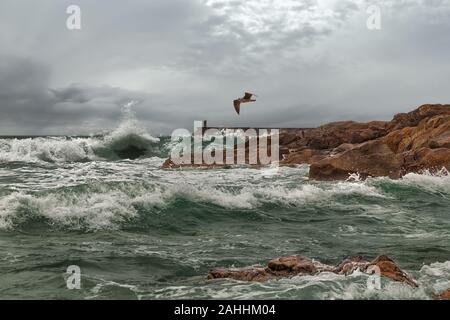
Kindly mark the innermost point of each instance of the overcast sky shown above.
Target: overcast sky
(310, 62)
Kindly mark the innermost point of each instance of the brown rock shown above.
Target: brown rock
(349, 265)
(413, 118)
(303, 155)
(244, 274)
(410, 142)
(414, 142)
(389, 269)
(292, 265)
(334, 134)
(372, 158)
(444, 295)
(434, 130)
(289, 266)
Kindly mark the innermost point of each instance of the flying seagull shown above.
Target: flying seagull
(246, 98)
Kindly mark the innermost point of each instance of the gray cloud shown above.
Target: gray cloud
(310, 62)
(29, 106)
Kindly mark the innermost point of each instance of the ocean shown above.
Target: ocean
(139, 232)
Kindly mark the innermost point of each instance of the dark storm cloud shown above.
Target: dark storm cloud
(23, 93)
(310, 62)
(26, 99)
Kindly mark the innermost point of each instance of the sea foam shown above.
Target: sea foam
(129, 133)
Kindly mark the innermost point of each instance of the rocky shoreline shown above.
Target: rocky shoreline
(410, 142)
(291, 266)
(444, 295)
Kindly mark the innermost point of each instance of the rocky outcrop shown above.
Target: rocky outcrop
(290, 266)
(373, 158)
(444, 295)
(334, 134)
(410, 142)
(413, 118)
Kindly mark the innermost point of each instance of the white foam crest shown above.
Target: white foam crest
(256, 196)
(354, 286)
(435, 276)
(92, 211)
(98, 289)
(227, 199)
(292, 196)
(362, 188)
(63, 149)
(249, 197)
(315, 192)
(129, 126)
(325, 285)
(102, 206)
(433, 182)
(388, 291)
(437, 269)
(50, 149)
(106, 208)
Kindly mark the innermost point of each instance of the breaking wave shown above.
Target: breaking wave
(115, 195)
(130, 140)
(324, 286)
(115, 205)
(181, 223)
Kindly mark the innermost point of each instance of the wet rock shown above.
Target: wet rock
(256, 273)
(290, 266)
(373, 158)
(413, 118)
(444, 295)
(389, 269)
(410, 142)
(303, 155)
(415, 141)
(285, 266)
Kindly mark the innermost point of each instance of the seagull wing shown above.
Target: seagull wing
(237, 106)
(248, 95)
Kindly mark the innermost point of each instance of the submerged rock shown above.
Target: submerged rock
(290, 266)
(444, 295)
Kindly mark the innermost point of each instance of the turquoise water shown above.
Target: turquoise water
(139, 232)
